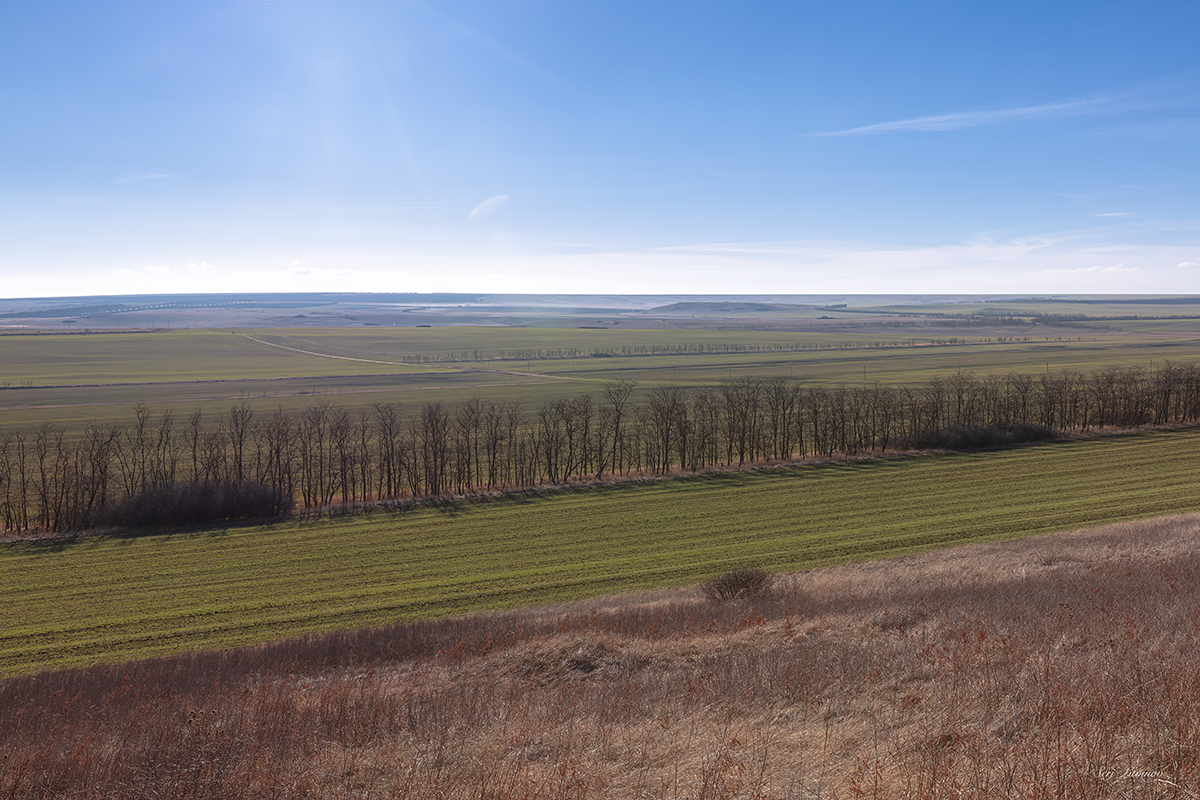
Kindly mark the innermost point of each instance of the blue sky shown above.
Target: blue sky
(536, 146)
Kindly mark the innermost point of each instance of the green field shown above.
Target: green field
(94, 600)
(162, 357)
(1098, 306)
(74, 379)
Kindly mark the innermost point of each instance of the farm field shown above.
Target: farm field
(70, 380)
(73, 408)
(72, 603)
(161, 357)
(1096, 306)
(1064, 665)
(1156, 326)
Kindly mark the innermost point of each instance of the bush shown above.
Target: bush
(197, 504)
(981, 437)
(737, 584)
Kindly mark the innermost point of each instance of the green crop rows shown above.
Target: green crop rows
(95, 600)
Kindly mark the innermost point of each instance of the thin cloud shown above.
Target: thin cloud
(487, 207)
(974, 119)
(1097, 270)
(1172, 91)
(1114, 214)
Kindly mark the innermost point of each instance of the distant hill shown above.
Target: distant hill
(725, 307)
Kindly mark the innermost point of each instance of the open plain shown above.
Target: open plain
(938, 674)
(541, 349)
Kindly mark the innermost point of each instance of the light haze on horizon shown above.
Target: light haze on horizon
(522, 146)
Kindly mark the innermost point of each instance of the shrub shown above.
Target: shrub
(198, 503)
(738, 584)
(981, 437)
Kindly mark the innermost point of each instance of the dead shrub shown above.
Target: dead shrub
(738, 584)
(984, 437)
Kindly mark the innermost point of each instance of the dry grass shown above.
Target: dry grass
(1065, 666)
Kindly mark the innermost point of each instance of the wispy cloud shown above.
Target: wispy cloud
(974, 119)
(1167, 92)
(1114, 214)
(1096, 270)
(487, 207)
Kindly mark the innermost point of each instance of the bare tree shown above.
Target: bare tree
(390, 461)
(193, 434)
(495, 444)
(781, 401)
(134, 451)
(666, 416)
(237, 427)
(742, 415)
(617, 394)
(434, 441)
(165, 457)
(577, 427)
(551, 439)
(274, 452)
(705, 447)
(344, 474)
(468, 425)
(96, 454)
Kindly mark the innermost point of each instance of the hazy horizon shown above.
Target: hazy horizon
(529, 147)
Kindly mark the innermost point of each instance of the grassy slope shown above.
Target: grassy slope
(105, 600)
(1063, 666)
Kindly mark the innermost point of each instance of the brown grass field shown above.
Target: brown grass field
(1062, 666)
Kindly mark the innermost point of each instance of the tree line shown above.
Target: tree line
(327, 456)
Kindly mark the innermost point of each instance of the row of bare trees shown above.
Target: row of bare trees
(329, 456)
